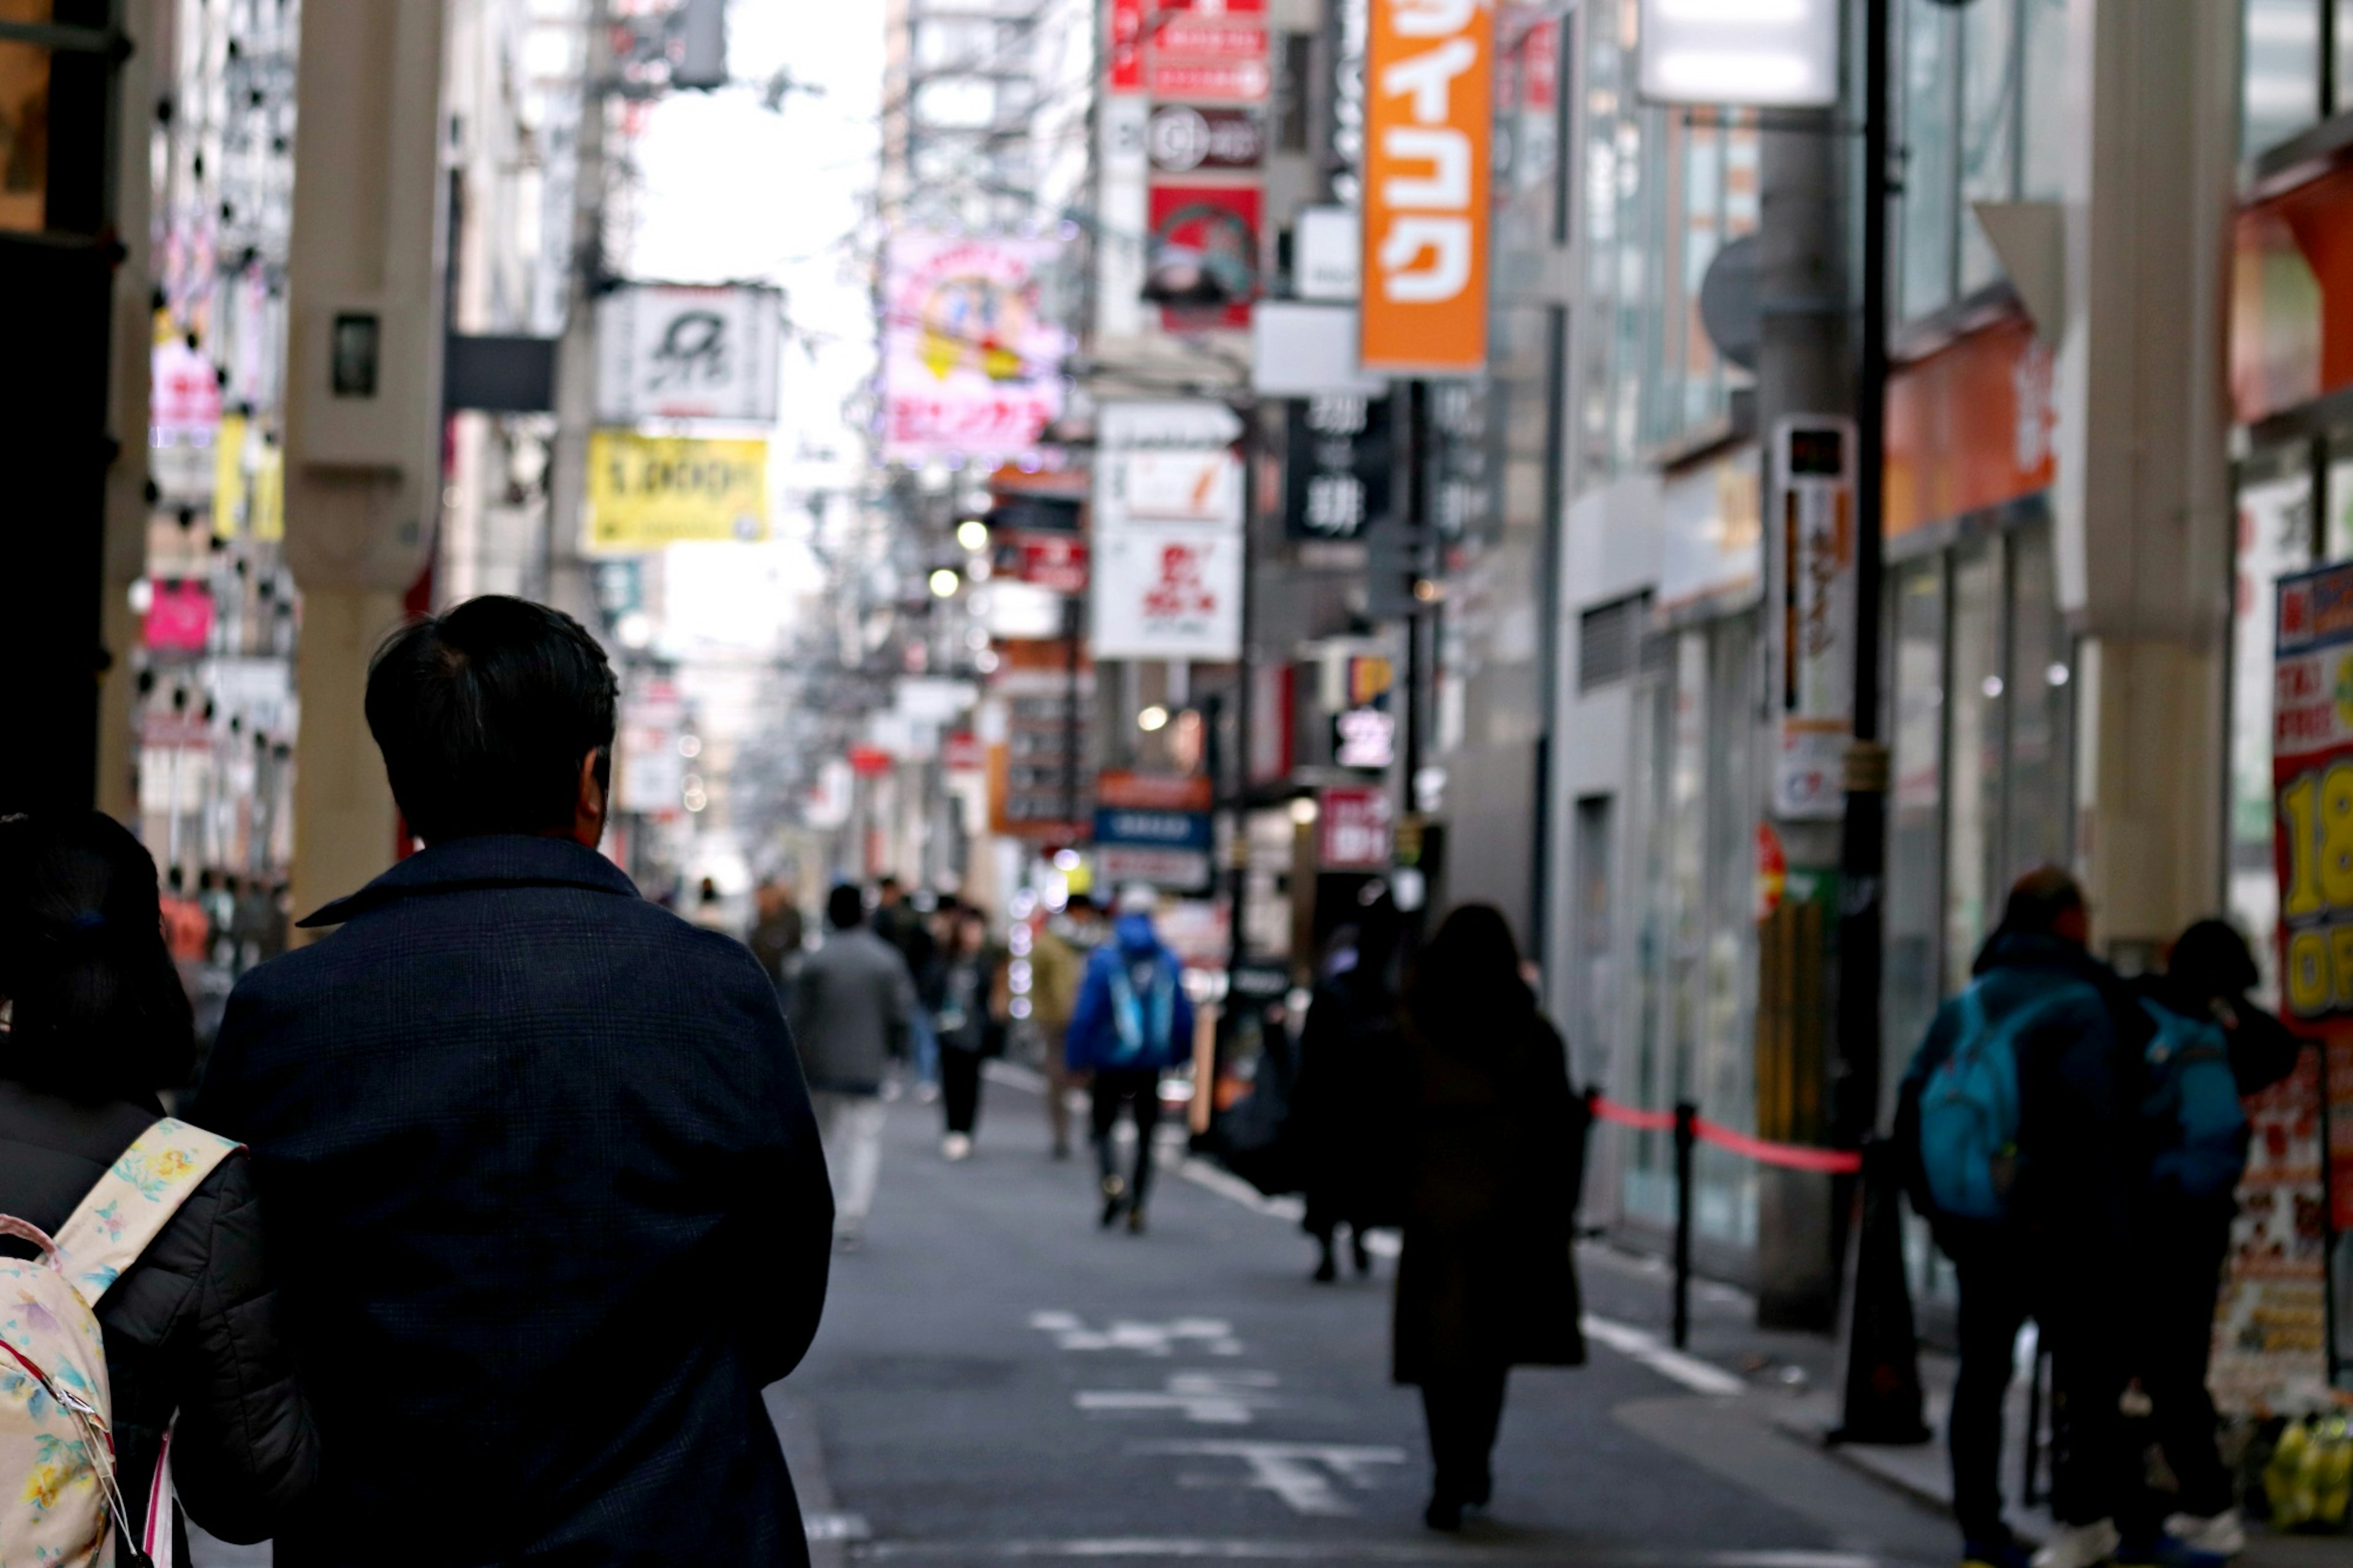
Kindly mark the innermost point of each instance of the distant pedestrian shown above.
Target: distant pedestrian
(2017, 1116)
(777, 935)
(853, 1007)
(973, 1006)
(1488, 1280)
(2213, 1048)
(1132, 1022)
(711, 911)
(900, 923)
(1349, 1106)
(1058, 961)
(191, 1322)
(553, 1206)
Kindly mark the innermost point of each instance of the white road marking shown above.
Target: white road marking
(1211, 1398)
(1301, 1474)
(1225, 1185)
(1644, 1346)
(1214, 1335)
(835, 1526)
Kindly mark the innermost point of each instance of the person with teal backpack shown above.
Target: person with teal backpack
(2013, 1119)
(1132, 1023)
(2209, 1047)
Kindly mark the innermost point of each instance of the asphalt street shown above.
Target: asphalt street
(999, 1380)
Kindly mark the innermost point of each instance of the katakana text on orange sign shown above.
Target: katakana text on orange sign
(1428, 135)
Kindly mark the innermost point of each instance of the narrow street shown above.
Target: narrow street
(996, 1379)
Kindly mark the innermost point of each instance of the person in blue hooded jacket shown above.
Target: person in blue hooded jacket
(1132, 1022)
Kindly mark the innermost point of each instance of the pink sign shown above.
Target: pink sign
(179, 618)
(1352, 829)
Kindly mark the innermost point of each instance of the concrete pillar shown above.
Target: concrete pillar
(2143, 489)
(363, 401)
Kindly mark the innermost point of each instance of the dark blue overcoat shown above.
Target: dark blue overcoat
(548, 1211)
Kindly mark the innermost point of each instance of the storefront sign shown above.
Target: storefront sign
(669, 351)
(1167, 561)
(1353, 829)
(1153, 828)
(646, 491)
(1055, 561)
(179, 617)
(1181, 139)
(1970, 426)
(1812, 566)
(1781, 55)
(970, 367)
(1210, 231)
(651, 774)
(1427, 147)
(1040, 786)
(1336, 466)
(1124, 54)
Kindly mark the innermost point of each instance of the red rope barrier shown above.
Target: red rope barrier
(1790, 1156)
(1629, 1116)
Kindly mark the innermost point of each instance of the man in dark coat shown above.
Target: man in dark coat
(537, 1155)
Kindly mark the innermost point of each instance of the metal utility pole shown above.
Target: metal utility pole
(566, 582)
(1862, 850)
(1804, 370)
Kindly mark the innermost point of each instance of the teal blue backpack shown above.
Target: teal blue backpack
(1968, 1109)
(1145, 1024)
(2192, 1108)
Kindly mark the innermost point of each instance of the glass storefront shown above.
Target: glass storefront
(1696, 800)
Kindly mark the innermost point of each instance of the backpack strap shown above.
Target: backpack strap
(133, 1201)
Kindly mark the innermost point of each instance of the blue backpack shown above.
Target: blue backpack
(1968, 1109)
(2201, 1143)
(1144, 1023)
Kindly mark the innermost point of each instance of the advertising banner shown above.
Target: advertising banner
(673, 351)
(1182, 140)
(1428, 139)
(2271, 1327)
(1812, 566)
(646, 491)
(970, 368)
(1040, 786)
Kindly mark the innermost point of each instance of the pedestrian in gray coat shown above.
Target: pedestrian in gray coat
(852, 1007)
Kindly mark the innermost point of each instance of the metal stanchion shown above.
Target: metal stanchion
(1687, 1137)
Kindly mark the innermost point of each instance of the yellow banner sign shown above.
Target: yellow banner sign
(646, 491)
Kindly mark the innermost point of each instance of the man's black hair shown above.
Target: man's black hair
(484, 713)
(844, 907)
(2038, 900)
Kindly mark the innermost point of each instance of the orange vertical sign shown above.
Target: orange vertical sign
(1429, 134)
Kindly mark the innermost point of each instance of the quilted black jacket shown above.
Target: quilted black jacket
(191, 1327)
(553, 1212)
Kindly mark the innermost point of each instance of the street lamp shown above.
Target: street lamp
(945, 582)
(1153, 719)
(972, 534)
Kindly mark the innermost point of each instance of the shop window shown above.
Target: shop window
(2274, 537)
(1914, 972)
(1607, 636)
(1929, 72)
(2280, 85)
(2039, 809)
(1973, 810)
(2043, 98)
(1991, 64)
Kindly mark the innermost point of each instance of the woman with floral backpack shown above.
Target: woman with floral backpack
(142, 1349)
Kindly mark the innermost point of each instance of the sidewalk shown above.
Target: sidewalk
(1798, 1373)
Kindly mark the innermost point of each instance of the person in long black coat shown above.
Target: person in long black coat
(192, 1329)
(540, 1151)
(1488, 1280)
(1350, 1108)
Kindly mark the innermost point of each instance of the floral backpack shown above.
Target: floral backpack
(60, 1505)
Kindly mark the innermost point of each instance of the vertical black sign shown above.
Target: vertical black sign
(1337, 470)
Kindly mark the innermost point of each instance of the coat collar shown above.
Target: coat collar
(491, 860)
